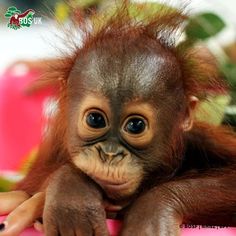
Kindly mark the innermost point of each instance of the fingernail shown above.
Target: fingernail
(2, 226)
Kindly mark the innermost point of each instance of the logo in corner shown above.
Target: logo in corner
(18, 19)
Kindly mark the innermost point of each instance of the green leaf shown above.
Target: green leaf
(212, 110)
(229, 70)
(8, 15)
(87, 3)
(10, 12)
(5, 185)
(148, 9)
(139, 11)
(30, 14)
(12, 9)
(204, 26)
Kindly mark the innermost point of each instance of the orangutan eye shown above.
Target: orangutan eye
(135, 125)
(96, 120)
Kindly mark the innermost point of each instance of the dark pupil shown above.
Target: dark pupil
(96, 120)
(135, 126)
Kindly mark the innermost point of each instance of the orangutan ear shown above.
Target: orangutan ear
(189, 117)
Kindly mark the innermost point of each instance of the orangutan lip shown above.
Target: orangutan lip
(112, 185)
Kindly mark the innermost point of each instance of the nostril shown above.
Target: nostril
(114, 153)
(119, 153)
(109, 151)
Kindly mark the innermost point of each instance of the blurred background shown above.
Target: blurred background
(39, 38)
(24, 116)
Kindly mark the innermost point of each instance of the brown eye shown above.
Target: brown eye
(96, 120)
(135, 125)
(136, 131)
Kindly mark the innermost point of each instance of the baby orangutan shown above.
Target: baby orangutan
(124, 140)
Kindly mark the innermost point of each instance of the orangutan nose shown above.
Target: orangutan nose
(110, 150)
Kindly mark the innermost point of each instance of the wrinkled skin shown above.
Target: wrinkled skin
(81, 211)
(78, 212)
(165, 220)
(174, 204)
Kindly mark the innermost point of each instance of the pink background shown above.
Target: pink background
(20, 118)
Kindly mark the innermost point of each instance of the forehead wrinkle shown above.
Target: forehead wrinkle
(143, 71)
(124, 72)
(125, 75)
(91, 73)
(100, 73)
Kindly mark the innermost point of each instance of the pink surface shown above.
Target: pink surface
(20, 117)
(114, 226)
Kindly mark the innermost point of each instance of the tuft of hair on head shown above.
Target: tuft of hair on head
(126, 27)
(123, 28)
